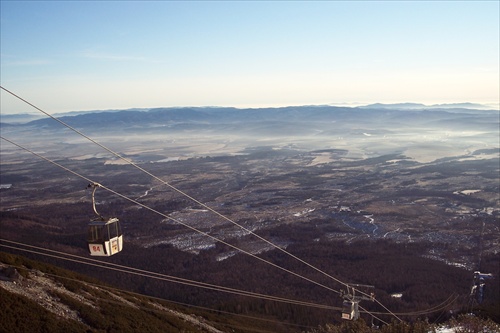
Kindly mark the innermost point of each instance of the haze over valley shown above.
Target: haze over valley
(430, 168)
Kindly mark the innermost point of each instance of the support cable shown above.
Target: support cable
(158, 276)
(200, 203)
(173, 187)
(190, 227)
(169, 217)
(136, 294)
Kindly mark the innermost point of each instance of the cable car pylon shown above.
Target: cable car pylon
(105, 236)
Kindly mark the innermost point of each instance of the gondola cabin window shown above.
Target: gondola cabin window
(95, 233)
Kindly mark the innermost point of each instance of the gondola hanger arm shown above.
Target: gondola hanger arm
(94, 187)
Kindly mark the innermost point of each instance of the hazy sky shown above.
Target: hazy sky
(86, 55)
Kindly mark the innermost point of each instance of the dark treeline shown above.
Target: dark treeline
(388, 266)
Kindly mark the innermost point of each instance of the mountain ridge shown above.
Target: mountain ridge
(24, 118)
(213, 115)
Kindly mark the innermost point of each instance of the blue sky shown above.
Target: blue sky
(87, 55)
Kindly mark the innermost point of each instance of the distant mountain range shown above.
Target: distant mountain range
(229, 113)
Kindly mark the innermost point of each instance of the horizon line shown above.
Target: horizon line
(485, 106)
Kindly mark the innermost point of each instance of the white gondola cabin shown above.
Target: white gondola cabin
(105, 238)
(350, 310)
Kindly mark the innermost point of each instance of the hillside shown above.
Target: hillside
(43, 298)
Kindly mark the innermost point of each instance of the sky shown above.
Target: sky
(95, 55)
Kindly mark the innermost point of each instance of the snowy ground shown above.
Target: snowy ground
(445, 330)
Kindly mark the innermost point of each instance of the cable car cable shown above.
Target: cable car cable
(170, 218)
(196, 201)
(185, 304)
(122, 291)
(169, 278)
(190, 227)
(174, 188)
(154, 275)
(136, 271)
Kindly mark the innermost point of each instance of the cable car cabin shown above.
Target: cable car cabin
(350, 310)
(105, 237)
